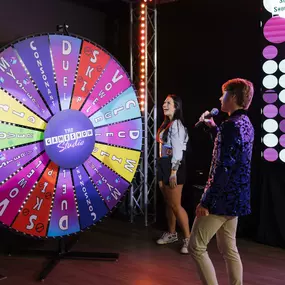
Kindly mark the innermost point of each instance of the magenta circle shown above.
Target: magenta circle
(270, 154)
(274, 30)
(270, 111)
(270, 52)
(282, 140)
(270, 96)
(282, 111)
(282, 126)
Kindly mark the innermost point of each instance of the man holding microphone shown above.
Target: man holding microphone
(227, 192)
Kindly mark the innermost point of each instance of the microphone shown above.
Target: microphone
(214, 112)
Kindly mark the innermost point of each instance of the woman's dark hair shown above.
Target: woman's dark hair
(178, 115)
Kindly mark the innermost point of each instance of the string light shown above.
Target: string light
(143, 50)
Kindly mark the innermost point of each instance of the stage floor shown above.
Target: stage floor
(141, 261)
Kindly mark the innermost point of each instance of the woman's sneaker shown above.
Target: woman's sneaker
(167, 238)
(184, 248)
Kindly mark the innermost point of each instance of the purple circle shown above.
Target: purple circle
(270, 111)
(282, 111)
(274, 30)
(282, 140)
(270, 154)
(282, 126)
(270, 52)
(270, 96)
(69, 138)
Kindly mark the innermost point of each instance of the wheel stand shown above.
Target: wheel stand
(63, 252)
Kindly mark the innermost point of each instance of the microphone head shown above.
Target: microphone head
(214, 112)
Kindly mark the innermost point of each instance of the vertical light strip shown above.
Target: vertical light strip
(143, 54)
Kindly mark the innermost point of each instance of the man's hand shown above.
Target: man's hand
(173, 179)
(160, 185)
(209, 122)
(201, 211)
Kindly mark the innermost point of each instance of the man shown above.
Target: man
(227, 192)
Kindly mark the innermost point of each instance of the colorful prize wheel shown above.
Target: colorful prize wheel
(70, 134)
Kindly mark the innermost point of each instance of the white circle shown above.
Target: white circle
(282, 96)
(270, 126)
(270, 140)
(270, 4)
(270, 66)
(282, 155)
(275, 7)
(282, 66)
(282, 81)
(270, 81)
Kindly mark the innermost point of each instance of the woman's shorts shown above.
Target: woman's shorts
(164, 170)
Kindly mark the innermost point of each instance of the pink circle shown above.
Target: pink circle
(270, 111)
(282, 126)
(274, 30)
(282, 111)
(270, 154)
(270, 52)
(270, 96)
(282, 140)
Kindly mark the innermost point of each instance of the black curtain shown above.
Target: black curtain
(197, 52)
(271, 222)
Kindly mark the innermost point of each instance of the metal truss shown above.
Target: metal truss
(142, 200)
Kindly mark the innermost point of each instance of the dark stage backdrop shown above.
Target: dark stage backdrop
(21, 18)
(271, 227)
(202, 44)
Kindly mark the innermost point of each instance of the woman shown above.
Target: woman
(173, 138)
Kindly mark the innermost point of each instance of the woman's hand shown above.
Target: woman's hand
(173, 179)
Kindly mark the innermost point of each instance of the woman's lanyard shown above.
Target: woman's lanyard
(165, 150)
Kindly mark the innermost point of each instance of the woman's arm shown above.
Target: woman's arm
(177, 140)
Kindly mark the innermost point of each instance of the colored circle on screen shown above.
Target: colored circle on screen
(282, 81)
(282, 140)
(282, 111)
(270, 125)
(270, 52)
(270, 81)
(282, 66)
(270, 4)
(281, 96)
(270, 154)
(282, 126)
(270, 140)
(282, 155)
(274, 30)
(270, 66)
(270, 111)
(270, 96)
